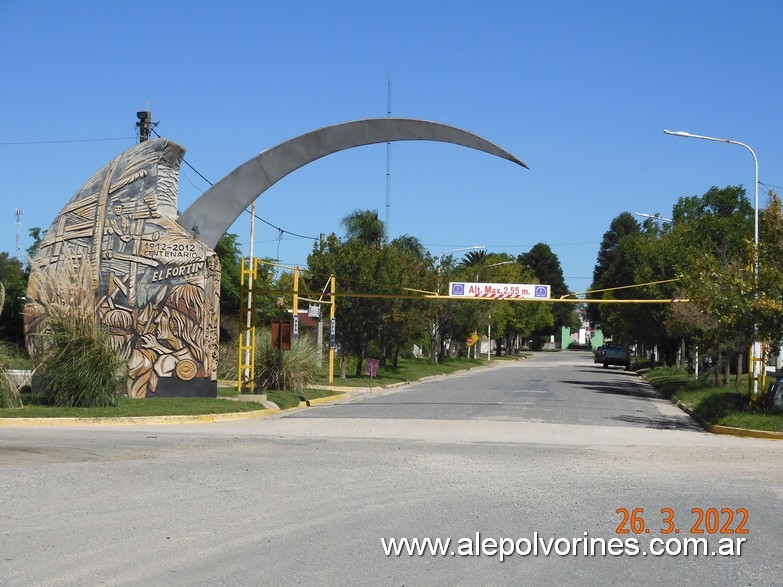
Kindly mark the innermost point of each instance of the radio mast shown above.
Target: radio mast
(388, 162)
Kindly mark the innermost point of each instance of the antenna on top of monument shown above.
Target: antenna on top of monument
(145, 124)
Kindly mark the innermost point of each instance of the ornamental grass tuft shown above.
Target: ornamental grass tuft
(9, 390)
(295, 370)
(78, 367)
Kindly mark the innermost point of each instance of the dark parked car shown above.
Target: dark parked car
(615, 353)
(598, 354)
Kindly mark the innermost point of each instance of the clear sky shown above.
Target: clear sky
(580, 91)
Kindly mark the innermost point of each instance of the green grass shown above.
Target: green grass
(191, 406)
(19, 362)
(722, 406)
(288, 399)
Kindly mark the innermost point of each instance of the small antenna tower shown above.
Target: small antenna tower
(19, 213)
(144, 123)
(388, 161)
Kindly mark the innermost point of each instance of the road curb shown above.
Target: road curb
(730, 430)
(322, 400)
(693, 415)
(769, 435)
(138, 420)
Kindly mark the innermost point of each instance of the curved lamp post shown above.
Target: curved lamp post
(492, 265)
(756, 345)
(651, 217)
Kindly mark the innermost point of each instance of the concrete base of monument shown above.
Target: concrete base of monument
(173, 387)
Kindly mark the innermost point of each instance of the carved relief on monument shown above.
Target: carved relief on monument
(155, 287)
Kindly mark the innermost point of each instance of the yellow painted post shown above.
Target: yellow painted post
(246, 355)
(759, 379)
(331, 325)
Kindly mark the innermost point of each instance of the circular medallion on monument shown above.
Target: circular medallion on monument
(186, 370)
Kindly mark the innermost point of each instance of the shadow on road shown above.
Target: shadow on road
(661, 423)
(619, 388)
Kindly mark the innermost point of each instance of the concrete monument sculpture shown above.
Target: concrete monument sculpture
(152, 277)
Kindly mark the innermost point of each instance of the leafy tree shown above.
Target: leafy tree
(14, 280)
(410, 244)
(508, 321)
(365, 226)
(406, 262)
(545, 265)
(642, 270)
(609, 272)
(354, 265)
(769, 307)
(621, 227)
(474, 259)
(230, 254)
(707, 250)
(711, 236)
(37, 234)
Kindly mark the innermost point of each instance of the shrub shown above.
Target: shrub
(299, 366)
(78, 367)
(9, 391)
(227, 361)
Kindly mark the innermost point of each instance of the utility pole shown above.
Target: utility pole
(19, 213)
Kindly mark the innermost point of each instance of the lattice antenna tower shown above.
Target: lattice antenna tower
(388, 161)
(19, 213)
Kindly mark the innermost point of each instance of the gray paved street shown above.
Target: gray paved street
(553, 445)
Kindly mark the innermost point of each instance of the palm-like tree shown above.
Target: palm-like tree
(365, 226)
(474, 258)
(410, 244)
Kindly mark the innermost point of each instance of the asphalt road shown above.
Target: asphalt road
(544, 449)
(563, 388)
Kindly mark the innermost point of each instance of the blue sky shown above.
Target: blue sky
(580, 91)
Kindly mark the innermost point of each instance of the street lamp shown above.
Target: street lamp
(756, 345)
(492, 265)
(440, 257)
(656, 217)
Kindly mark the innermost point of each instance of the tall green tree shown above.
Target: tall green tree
(769, 306)
(364, 226)
(230, 254)
(354, 265)
(403, 269)
(14, 279)
(609, 271)
(37, 234)
(474, 259)
(712, 238)
(545, 265)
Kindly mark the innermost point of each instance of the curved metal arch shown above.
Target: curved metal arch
(216, 209)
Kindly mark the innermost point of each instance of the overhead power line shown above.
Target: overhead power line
(256, 216)
(54, 142)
